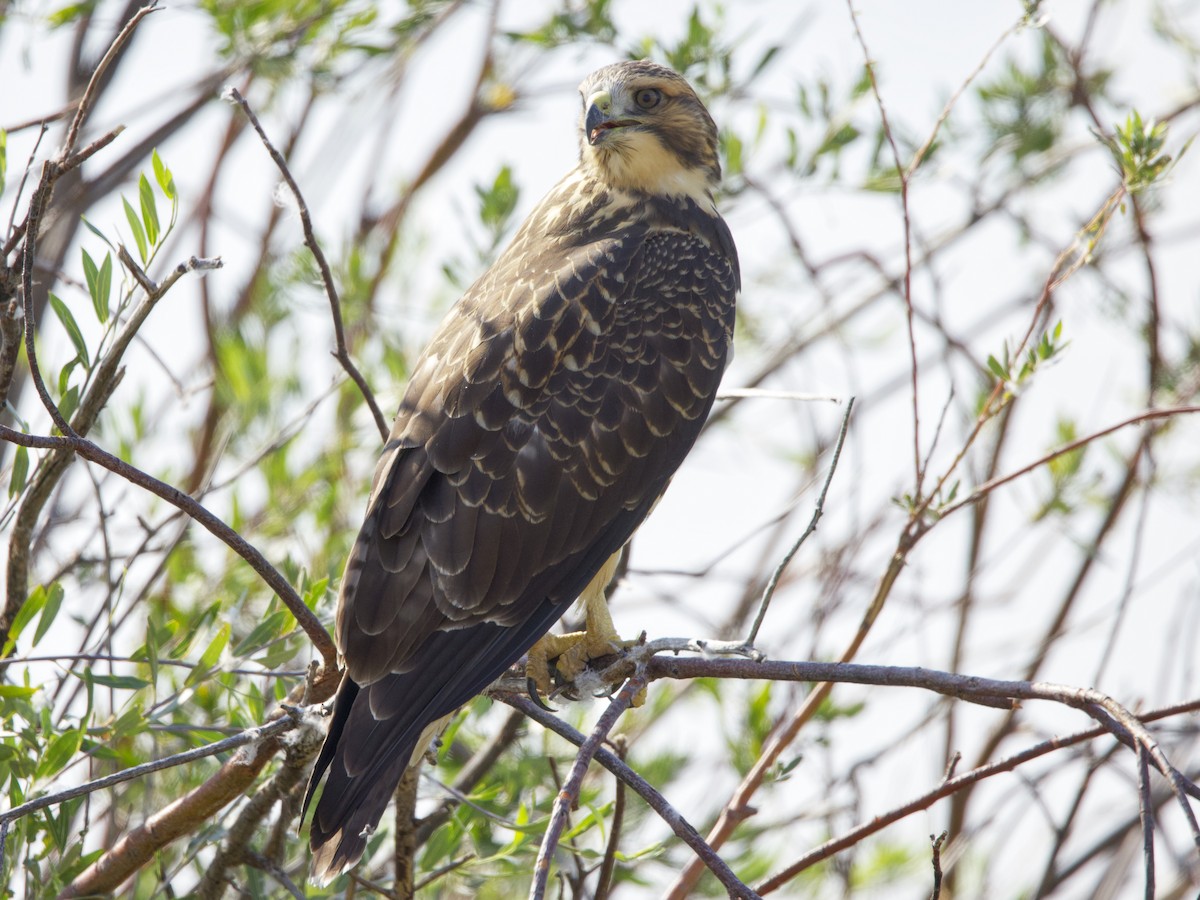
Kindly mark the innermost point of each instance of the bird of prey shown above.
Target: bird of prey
(540, 426)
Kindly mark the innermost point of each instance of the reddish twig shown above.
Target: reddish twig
(947, 788)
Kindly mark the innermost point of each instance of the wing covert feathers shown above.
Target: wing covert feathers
(539, 428)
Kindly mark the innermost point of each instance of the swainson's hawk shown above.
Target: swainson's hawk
(540, 426)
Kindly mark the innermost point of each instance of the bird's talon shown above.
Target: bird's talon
(536, 696)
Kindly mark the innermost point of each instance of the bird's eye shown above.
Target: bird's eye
(648, 98)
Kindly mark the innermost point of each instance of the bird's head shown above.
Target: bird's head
(643, 128)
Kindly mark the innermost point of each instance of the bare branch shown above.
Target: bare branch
(341, 353)
(1146, 814)
(773, 583)
(249, 736)
(937, 843)
(903, 175)
(93, 88)
(990, 485)
(948, 788)
(678, 824)
(569, 793)
(215, 526)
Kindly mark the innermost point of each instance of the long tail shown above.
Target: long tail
(375, 730)
(362, 775)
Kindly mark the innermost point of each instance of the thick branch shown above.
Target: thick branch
(136, 847)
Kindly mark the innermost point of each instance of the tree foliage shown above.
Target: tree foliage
(994, 261)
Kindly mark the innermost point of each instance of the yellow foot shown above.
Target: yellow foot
(572, 652)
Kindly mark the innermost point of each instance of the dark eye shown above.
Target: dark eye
(648, 98)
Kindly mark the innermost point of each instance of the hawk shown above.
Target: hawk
(539, 428)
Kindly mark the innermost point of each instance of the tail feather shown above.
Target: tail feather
(353, 801)
(375, 730)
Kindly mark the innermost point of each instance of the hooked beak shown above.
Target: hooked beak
(599, 118)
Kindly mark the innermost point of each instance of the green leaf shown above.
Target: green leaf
(103, 289)
(3, 157)
(139, 235)
(99, 282)
(267, 630)
(996, 368)
(68, 403)
(96, 231)
(163, 175)
(17, 691)
(31, 607)
(72, 12)
(120, 682)
(90, 272)
(20, 471)
(209, 658)
(59, 753)
(54, 599)
(72, 327)
(64, 375)
(149, 209)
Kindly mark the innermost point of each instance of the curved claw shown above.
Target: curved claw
(531, 687)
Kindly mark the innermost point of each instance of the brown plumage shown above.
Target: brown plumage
(540, 426)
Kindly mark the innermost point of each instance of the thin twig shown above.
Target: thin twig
(443, 870)
(249, 736)
(341, 353)
(472, 773)
(751, 393)
(936, 848)
(1146, 815)
(217, 527)
(919, 156)
(568, 795)
(609, 865)
(902, 174)
(988, 486)
(773, 583)
(33, 220)
(93, 88)
(273, 869)
(674, 819)
(948, 788)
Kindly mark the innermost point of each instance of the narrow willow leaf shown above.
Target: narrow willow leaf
(139, 234)
(59, 753)
(30, 608)
(17, 691)
(96, 231)
(54, 599)
(68, 322)
(103, 288)
(209, 658)
(163, 176)
(266, 631)
(69, 402)
(20, 471)
(90, 272)
(149, 209)
(120, 682)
